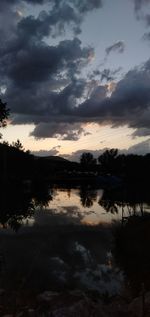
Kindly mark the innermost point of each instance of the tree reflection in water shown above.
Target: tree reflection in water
(87, 196)
(133, 199)
(131, 252)
(132, 239)
(56, 243)
(18, 202)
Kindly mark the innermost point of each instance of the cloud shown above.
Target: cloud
(140, 11)
(129, 103)
(51, 152)
(138, 5)
(31, 74)
(63, 114)
(146, 36)
(141, 132)
(106, 74)
(118, 47)
(34, 63)
(43, 81)
(61, 131)
(147, 19)
(60, 14)
(140, 148)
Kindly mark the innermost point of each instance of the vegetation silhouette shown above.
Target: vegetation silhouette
(87, 161)
(131, 199)
(131, 251)
(107, 160)
(87, 196)
(19, 202)
(18, 145)
(4, 113)
(127, 167)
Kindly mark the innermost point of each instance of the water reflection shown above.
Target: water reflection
(66, 239)
(19, 200)
(87, 196)
(83, 205)
(131, 251)
(15, 205)
(128, 201)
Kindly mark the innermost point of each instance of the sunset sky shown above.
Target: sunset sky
(76, 75)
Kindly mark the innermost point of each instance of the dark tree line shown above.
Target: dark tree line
(128, 166)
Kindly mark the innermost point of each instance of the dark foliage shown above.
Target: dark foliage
(87, 161)
(132, 252)
(130, 167)
(4, 113)
(15, 164)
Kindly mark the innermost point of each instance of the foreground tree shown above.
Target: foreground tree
(18, 145)
(4, 113)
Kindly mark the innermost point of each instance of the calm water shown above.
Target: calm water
(74, 207)
(84, 206)
(56, 239)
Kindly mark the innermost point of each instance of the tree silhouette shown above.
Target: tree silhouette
(107, 160)
(4, 113)
(18, 145)
(87, 160)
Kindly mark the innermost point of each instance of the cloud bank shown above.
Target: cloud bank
(43, 81)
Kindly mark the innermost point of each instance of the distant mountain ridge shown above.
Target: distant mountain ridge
(53, 158)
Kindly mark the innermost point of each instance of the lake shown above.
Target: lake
(73, 238)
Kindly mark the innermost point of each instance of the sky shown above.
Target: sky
(76, 75)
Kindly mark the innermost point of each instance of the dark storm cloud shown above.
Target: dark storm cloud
(33, 70)
(60, 115)
(61, 13)
(40, 78)
(61, 131)
(40, 104)
(52, 23)
(43, 80)
(129, 104)
(118, 47)
(31, 63)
